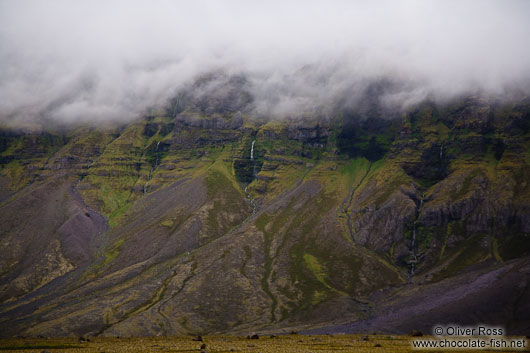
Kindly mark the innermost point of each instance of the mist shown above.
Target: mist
(97, 61)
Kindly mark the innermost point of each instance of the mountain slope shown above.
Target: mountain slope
(214, 221)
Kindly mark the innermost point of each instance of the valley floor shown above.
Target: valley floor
(283, 343)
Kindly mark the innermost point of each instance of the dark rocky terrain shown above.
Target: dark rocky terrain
(206, 219)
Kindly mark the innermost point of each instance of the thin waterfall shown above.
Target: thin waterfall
(413, 248)
(252, 202)
(442, 166)
(150, 176)
(413, 240)
(176, 108)
(254, 167)
(157, 155)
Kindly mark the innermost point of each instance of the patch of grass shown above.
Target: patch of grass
(294, 343)
(321, 274)
(15, 172)
(31, 346)
(465, 254)
(316, 268)
(354, 170)
(495, 250)
(389, 177)
(466, 185)
(113, 252)
(229, 206)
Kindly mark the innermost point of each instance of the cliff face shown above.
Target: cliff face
(207, 220)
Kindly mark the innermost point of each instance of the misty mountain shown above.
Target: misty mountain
(207, 219)
(243, 167)
(94, 63)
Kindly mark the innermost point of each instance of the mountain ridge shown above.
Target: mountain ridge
(166, 225)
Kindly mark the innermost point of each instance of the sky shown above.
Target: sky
(94, 61)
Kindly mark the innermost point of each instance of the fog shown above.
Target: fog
(95, 61)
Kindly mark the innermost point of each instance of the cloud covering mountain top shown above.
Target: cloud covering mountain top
(110, 60)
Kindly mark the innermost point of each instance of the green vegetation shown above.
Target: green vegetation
(31, 346)
(268, 344)
(462, 256)
(466, 185)
(113, 251)
(370, 139)
(229, 206)
(245, 168)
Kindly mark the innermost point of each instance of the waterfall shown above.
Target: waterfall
(442, 164)
(254, 172)
(157, 162)
(150, 176)
(252, 202)
(413, 240)
(146, 185)
(413, 248)
(176, 108)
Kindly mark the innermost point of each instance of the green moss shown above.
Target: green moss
(354, 170)
(466, 185)
(263, 223)
(463, 255)
(229, 206)
(321, 274)
(167, 223)
(15, 172)
(290, 222)
(495, 250)
(388, 178)
(316, 268)
(112, 252)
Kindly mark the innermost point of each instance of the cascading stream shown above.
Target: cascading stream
(157, 162)
(252, 202)
(350, 201)
(414, 260)
(442, 166)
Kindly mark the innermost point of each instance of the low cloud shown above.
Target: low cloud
(111, 60)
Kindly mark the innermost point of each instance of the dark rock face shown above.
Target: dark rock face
(190, 127)
(370, 138)
(432, 166)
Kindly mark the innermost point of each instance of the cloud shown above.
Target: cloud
(110, 60)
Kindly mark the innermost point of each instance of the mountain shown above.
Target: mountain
(205, 218)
